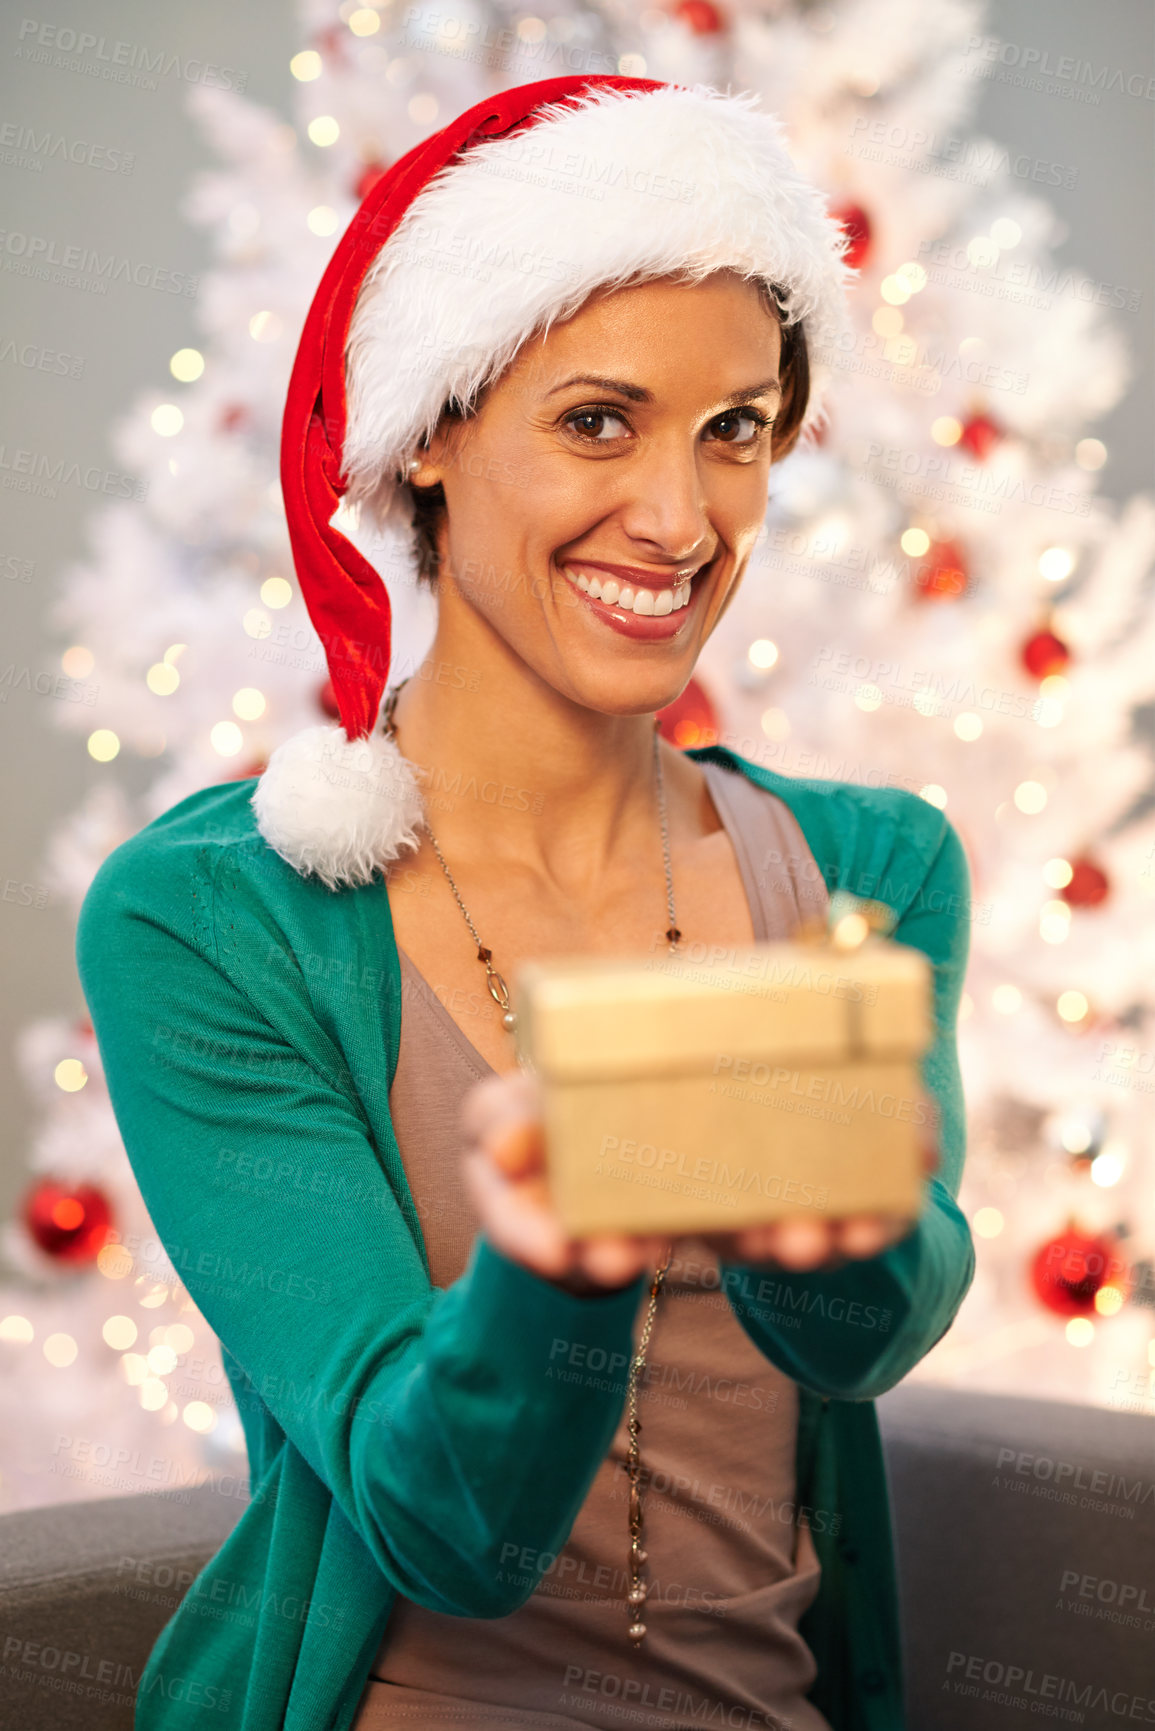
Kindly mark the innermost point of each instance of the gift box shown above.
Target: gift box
(688, 1093)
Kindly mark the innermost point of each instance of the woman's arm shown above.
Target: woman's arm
(855, 1331)
(456, 1429)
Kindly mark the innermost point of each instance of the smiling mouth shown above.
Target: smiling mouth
(646, 600)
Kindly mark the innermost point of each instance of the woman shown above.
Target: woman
(440, 1521)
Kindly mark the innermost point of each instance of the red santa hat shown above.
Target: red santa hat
(482, 236)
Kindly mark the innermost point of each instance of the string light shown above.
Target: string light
(249, 703)
(1005, 233)
(1056, 564)
(103, 745)
(946, 430)
(162, 679)
(1030, 797)
(256, 623)
(226, 738)
(187, 365)
(166, 419)
(276, 592)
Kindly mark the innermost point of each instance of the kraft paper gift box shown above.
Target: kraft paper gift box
(686, 1096)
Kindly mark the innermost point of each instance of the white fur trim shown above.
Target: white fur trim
(639, 185)
(338, 809)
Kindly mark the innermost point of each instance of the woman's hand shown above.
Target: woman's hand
(506, 1177)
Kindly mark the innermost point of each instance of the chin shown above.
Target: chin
(617, 689)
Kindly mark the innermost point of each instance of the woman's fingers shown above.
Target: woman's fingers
(804, 1244)
(863, 1235)
(516, 1218)
(501, 1114)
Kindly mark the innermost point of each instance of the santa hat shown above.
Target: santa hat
(482, 236)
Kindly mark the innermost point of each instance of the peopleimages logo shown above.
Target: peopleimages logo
(1010, 1685)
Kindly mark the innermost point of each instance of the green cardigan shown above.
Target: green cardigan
(399, 1435)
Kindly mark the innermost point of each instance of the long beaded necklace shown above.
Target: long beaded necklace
(499, 992)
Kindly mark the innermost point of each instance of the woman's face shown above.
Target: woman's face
(604, 500)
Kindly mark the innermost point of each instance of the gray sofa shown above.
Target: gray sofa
(1026, 1545)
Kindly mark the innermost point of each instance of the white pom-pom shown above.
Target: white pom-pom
(338, 809)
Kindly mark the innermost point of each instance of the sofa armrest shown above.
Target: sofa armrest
(85, 1589)
(1024, 1533)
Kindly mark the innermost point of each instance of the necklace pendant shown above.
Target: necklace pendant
(637, 1631)
(673, 937)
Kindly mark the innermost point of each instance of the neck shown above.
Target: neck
(512, 767)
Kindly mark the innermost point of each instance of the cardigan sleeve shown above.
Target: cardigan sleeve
(854, 1332)
(441, 1421)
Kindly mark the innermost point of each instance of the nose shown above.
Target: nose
(666, 510)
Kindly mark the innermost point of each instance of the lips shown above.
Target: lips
(646, 600)
(649, 606)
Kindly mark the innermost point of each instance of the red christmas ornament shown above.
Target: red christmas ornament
(690, 720)
(367, 179)
(1043, 654)
(979, 435)
(700, 17)
(855, 221)
(1089, 885)
(942, 576)
(1069, 1270)
(327, 701)
(70, 1222)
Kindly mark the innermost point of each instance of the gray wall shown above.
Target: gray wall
(126, 337)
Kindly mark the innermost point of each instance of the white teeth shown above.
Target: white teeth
(644, 602)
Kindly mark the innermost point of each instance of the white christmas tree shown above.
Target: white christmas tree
(939, 601)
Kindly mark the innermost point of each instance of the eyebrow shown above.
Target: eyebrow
(639, 394)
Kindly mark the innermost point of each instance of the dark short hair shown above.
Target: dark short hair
(794, 371)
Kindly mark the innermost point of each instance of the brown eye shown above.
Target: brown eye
(580, 422)
(736, 419)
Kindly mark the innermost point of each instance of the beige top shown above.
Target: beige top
(730, 1570)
